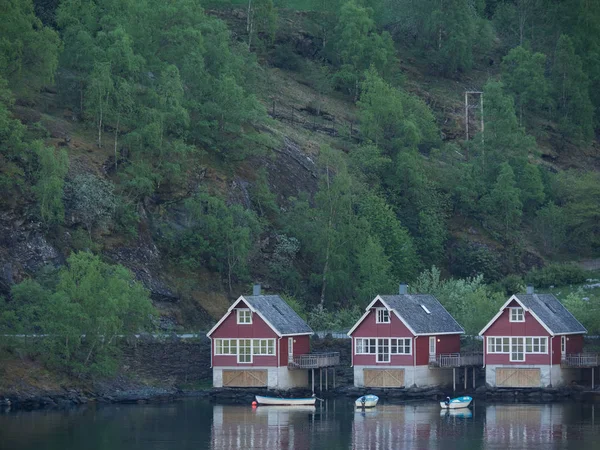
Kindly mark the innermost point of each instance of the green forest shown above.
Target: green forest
(320, 147)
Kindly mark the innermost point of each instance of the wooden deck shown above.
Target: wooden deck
(456, 360)
(574, 360)
(315, 361)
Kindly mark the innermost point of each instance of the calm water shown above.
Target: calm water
(197, 424)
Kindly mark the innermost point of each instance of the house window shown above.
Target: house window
(517, 352)
(517, 315)
(400, 346)
(225, 346)
(498, 344)
(244, 316)
(263, 347)
(365, 346)
(383, 315)
(383, 350)
(536, 345)
(563, 344)
(244, 351)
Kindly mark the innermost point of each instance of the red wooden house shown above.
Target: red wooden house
(261, 341)
(399, 341)
(533, 341)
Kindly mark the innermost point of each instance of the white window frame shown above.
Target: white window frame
(383, 356)
(403, 344)
(383, 315)
(514, 343)
(226, 347)
(263, 347)
(517, 314)
(245, 357)
(244, 316)
(498, 342)
(370, 346)
(365, 346)
(536, 341)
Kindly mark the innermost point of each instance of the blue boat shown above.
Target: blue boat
(456, 403)
(366, 401)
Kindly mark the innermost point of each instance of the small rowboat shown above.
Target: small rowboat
(366, 401)
(456, 403)
(285, 401)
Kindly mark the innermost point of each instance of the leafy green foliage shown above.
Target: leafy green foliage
(550, 227)
(217, 235)
(585, 306)
(579, 196)
(358, 46)
(504, 204)
(571, 86)
(28, 50)
(556, 275)
(393, 119)
(523, 76)
(49, 189)
(92, 304)
(468, 300)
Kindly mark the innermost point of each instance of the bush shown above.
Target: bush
(556, 275)
(470, 259)
(286, 58)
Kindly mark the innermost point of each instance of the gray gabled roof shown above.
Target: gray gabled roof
(552, 312)
(409, 308)
(278, 314)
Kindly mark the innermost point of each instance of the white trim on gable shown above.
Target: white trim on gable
(230, 310)
(368, 310)
(503, 307)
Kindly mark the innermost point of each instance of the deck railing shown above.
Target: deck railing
(314, 360)
(580, 360)
(456, 360)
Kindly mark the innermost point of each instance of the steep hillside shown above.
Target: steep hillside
(441, 196)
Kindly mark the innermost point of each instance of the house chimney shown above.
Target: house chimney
(530, 289)
(403, 290)
(256, 289)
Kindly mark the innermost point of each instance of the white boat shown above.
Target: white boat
(285, 409)
(456, 403)
(285, 401)
(366, 401)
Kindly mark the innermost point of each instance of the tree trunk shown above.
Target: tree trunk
(116, 137)
(100, 127)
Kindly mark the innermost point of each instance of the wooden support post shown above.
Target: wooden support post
(465, 378)
(454, 379)
(320, 380)
(326, 371)
(334, 377)
(473, 377)
(313, 381)
(592, 378)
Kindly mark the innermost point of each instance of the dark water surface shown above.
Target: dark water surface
(197, 424)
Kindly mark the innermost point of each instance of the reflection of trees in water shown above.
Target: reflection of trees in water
(332, 425)
(111, 427)
(535, 424)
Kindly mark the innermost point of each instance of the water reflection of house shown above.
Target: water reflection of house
(526, 426)
(405, 340)
(261, 341)
(240, 427)
(534, 341)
